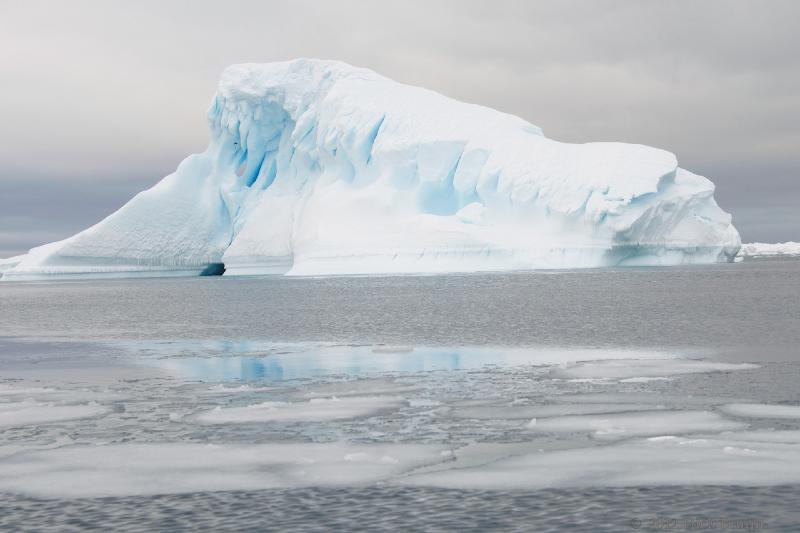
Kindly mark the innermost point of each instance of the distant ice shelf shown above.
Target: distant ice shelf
(766, 249)
(320, 168)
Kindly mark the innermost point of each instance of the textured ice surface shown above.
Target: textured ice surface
(29, 412)
(221, 388)
(786, 436)
(766, 249)
(354, 426)
(643, 370)
(663, 460)
(537, 411)
(319, 168)
(313, 410)
(755, 410)
(361, 387)
(617, 426)
(131, 469)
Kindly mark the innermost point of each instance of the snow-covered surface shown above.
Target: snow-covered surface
(221, 388)
(619, 426)
(755, 410)
(536, 411)
(766, 249)
(319, 168)
(30, 413)
(512, 425)
(662, 460)
(313, 410)
(642, 370)
(140, 469)
(134, 469)
(35, 405)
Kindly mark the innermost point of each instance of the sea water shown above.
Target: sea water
(597, 400)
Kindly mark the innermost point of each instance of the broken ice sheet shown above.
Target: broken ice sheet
(667, 460)
(30, 413)
(313, 410)
(643, 368)
(760, 410)
(161, 468)
(616, 426)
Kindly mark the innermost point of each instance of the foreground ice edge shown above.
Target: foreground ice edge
(630, 444)
(769, 458)
(319, 168)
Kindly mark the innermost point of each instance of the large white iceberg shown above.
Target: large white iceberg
(317, 167)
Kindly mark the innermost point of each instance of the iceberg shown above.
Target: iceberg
(10, 262)
(321, 168)
(767, 249)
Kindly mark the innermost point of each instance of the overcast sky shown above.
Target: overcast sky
(100, 99)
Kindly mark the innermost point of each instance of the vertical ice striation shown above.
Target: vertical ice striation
(316, 167)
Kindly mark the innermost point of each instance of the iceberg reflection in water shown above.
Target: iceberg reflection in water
(257, 361)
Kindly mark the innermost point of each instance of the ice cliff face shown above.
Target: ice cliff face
(317, 167)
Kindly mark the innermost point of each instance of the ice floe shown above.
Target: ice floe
(767, 249)
(760, 410)
(221, 388)
(644, 368)
(667, 460)
(143, 469)
(29, 412)
(536, 411)
(615, 426)
(361, 387)
(313, 410)
(766, 435)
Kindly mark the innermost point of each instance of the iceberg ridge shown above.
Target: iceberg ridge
(318, 168)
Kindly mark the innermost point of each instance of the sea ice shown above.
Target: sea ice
(641, 368)
(786, 436)
(757, 410)
(30, 413)
(667, 460)
(155, 468)
(623, 425)
(236, 389)
(313, 410)
(765, 249)
(360, 387)
(491, 412)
